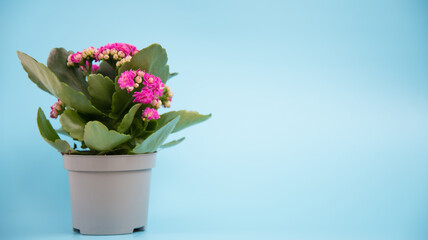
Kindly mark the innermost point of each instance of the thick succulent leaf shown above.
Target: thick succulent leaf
(107, 70)
(73, 77)
(150, 127)
(151, 59)
(34, 77)
(101, 90)
(62, 131)
(98, 137)
(171, 75)
(187, 119)
(71, 97)
(156, 139)
(73, 124)
(172, 143)
(62, 146)
(45, 127)
(120, 101)
(49, 134)
(137, 128)
(128, 118)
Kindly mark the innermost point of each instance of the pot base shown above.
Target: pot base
(140, 229)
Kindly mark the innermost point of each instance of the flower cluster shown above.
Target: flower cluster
(153, 92)
(57, 109)
(80, 58)
(150, 114)
(118, 53)
(115, 51)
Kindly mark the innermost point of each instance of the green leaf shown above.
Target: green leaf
(172, 143)
(137, 128)
(62, 146)
(128, 118)
(149, 128)
(98, 137)
(171, 75)
(49, 134)
(45, 127)
(62, 131)
(39, 72)
(101, 90)
(187, 119)
(151, 59)
(73, 124)
(120, 101)
(72, 76)
(35, 78)
(107, 70)
(156, 139)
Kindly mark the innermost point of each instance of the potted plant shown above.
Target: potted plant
(111, 111)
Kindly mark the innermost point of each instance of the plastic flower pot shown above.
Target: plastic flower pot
(109, 194)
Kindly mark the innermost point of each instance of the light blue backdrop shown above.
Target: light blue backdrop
(319, 127)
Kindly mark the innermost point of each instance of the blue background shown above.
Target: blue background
(319, 127)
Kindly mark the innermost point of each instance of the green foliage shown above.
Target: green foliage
(128, 118)
(72, 124)
(172, 143)
(120, 102)
(101, 90)
(107, 70)
(156, 139)
(98, 113)
(151, 59)
(71, 76)
(49, 134)
(46, 79)
(187, 119)
(98, 137)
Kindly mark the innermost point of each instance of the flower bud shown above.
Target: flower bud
(138, 79)
(154, 103)
(54, 113)
(57, 106)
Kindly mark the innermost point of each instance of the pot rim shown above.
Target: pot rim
(108, 163)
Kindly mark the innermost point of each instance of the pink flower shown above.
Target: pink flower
(150, 114)
(95, 68)
(126, 80)
(75, 58)
(145, 96)
(158, 90)
(154, 83)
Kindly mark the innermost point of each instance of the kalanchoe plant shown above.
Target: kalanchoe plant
(110, 108)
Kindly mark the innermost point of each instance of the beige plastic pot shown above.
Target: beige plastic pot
(109, 194)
